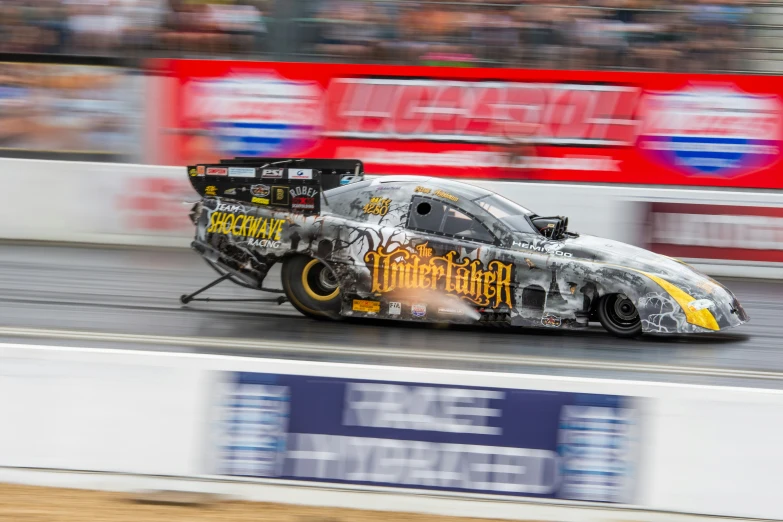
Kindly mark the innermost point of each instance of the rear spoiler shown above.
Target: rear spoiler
(290, 184)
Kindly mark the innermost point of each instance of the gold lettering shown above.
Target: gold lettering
(446, 195)
(245, 222)
(450, 288)
(424, 276)
(503, 281)
(246, 226)
(262, 230)
(213, 222)
(465, 278)
(475, 278)
(237, 231)
(490, 291)
(375, 258)
(226, 227)
(220, 221)
(378, 206)
(278, 229)
(423, 250)
(255, 229)
(437, 272)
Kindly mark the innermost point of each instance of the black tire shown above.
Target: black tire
(311, 287)
(619, 316)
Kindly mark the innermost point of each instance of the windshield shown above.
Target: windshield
(511, 214)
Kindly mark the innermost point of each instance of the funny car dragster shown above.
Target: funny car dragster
(414, 248)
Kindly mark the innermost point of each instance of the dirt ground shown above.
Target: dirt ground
(36, 504)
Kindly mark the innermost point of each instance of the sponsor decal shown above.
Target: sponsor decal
(193, 171)
(377, 206)
(445, 195)
(469, 279)
(272, 173)
(551, 320)
(255, 114)
(351, 178)
(304, 191)
(303, 197)
(440, 193)
(280, 196)
(261, 201)
(368, 307)
(424, 250)
(548, 248)
(242, 172)
(450, 311)
(260, 190)
(395, 308)
(419, 310)
(211, 190)
(243, 225)
(263, 243)
(230, 192)
(723, 232)
(716, 131)
(201, 170)
(302, 203)
(217, 171)
(227, 207)
(300, 173)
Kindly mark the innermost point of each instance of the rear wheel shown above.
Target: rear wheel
(619, 315)
(312, 287)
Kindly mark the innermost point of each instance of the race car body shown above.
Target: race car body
(428, 249)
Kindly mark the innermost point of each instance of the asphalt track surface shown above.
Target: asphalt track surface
(127, 298)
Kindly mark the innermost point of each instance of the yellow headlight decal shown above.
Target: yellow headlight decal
(703, 318)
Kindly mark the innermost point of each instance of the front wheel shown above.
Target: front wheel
(312, 287)
(619, 315)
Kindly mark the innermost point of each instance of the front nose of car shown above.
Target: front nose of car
(725, 305)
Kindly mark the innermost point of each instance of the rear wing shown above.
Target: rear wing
(293, 185)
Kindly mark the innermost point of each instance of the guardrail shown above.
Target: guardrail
(558, 448)
(734, 233)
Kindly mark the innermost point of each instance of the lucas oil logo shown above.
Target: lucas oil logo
(260, 114)
(711, 131)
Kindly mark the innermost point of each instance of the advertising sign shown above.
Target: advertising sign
(615, 127)
(464, 439)
(66, 109)
(716, 232)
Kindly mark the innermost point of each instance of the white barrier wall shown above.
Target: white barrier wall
(704, 450)
(143, 205)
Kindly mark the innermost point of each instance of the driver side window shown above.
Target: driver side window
(437, 217)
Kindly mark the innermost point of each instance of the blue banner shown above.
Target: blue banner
(464, 439)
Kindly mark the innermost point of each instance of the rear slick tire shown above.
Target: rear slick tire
(619, 316)
(311, 287)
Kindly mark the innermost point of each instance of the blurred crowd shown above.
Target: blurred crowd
(686, 35)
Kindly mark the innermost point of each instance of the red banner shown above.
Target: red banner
(608, 127)
(736, 233)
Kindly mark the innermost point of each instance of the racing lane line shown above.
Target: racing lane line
(153, 307)
(224, 344)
